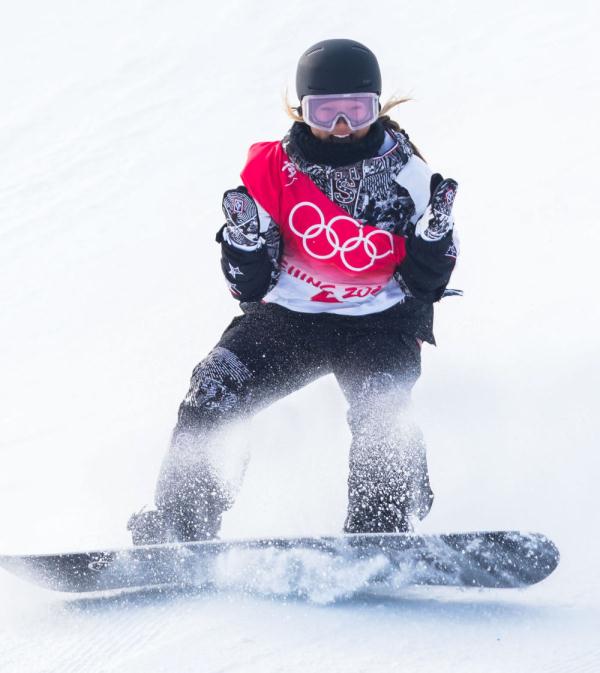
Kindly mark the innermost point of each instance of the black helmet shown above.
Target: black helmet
(337, 66)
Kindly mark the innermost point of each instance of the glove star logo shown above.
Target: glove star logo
(342, 238)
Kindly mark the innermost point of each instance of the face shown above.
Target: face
(341, 133)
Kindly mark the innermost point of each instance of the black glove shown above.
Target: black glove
(242, 226)
(437, 219)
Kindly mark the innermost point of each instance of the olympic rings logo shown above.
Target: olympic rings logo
(323, 240)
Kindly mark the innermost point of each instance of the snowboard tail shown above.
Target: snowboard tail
(499, 559)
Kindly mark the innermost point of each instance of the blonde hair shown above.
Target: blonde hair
(295, 113)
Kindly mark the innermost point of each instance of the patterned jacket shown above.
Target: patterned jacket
(389, 190)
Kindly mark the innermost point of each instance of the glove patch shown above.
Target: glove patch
(242, 222)
(437, 220)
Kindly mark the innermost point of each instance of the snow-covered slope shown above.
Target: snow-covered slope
(121, 125)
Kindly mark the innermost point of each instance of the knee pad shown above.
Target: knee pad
(217, 382)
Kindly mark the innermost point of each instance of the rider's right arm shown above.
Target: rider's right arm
(247, 261)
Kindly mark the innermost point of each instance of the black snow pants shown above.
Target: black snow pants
(271, 352)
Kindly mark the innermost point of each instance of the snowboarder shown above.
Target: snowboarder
(336, 245)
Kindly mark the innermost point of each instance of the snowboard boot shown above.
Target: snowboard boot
(159, 527)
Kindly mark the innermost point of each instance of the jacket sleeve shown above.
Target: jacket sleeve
(250, 273)
(428, 265)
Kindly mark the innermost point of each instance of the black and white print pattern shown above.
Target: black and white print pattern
(242, 228)
(437, 220)
(217, 381)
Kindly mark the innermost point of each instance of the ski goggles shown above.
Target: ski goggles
(357, 109)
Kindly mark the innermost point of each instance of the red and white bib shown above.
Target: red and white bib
(331, 262)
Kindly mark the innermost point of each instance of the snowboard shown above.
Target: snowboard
(499, 559)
